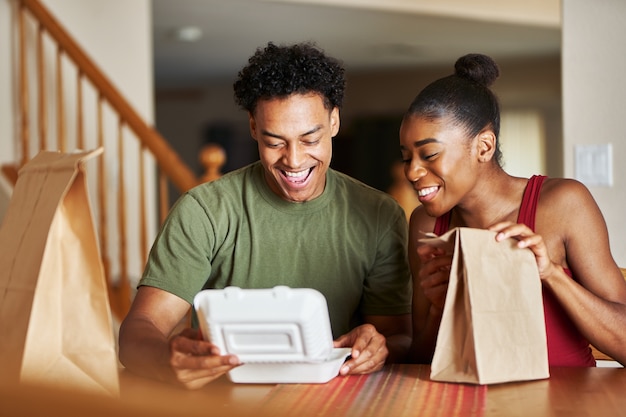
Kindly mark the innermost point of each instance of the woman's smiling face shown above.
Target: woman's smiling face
(294, 136)
(437, 156)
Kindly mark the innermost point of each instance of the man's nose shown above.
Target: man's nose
(294, 155)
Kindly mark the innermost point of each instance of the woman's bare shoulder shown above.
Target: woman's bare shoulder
(567, 210)
(564, 194)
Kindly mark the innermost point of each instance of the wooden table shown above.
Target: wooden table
(397, 391)
(406, 390)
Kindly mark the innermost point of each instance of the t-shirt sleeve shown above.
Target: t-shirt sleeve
(179, 261)
(387, 289)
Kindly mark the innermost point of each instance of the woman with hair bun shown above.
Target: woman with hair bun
(450, 148)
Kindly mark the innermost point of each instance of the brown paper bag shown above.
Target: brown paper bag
(55, 321)
(492, 329)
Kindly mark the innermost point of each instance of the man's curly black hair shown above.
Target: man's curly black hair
(279, 71)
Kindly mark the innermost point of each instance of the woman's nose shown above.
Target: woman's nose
(414, 172)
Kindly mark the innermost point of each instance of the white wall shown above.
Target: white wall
(594, 99)
(522, 143)
(117, 35)
(7, 93)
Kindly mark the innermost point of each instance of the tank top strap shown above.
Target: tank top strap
(528, 208)
(527, 211)
(442, 224)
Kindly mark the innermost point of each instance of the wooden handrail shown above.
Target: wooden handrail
(179, 173)
(116, 177)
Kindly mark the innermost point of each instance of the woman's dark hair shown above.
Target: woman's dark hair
(279, 71)
(464, 96)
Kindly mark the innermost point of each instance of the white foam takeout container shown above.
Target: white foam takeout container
(280, 334)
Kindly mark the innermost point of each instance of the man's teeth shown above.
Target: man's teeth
(425, 191)
(298, 174)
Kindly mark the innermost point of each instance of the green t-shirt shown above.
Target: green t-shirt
(349, 244)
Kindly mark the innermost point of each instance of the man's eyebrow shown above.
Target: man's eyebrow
(277, 136)
(314, 130)
(268, 133)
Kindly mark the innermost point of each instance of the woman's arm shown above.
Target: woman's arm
(571, 232)
(430, 272)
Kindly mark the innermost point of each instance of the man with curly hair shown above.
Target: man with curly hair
(287, 219)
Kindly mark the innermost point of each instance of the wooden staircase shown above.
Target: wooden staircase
(129, 201)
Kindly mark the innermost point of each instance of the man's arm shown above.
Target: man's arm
(144, 333)
(147, 347)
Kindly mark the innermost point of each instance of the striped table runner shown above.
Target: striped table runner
(398, 390)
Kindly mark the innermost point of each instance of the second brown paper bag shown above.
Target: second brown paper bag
(55, 322)
(492, 329)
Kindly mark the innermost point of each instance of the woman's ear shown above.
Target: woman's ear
(486, 145)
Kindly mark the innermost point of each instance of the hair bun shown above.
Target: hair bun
(478, 68)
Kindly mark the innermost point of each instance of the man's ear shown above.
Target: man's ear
(252, 123)
(334, 122)
(486, 143)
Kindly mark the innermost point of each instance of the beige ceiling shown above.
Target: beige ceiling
(364, 34)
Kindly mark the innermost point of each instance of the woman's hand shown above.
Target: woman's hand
(527, 239)
(434, 274)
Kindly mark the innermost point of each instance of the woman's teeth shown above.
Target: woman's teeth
(425, 191)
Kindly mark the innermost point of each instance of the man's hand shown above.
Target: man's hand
(197, 362)
(369, 350)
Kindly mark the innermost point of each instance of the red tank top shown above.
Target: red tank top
(566, 346)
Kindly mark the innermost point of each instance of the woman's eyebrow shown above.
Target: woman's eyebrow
(423, 142)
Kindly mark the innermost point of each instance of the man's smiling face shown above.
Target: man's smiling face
(294, 136)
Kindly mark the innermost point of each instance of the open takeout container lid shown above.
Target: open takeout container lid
(280, 334)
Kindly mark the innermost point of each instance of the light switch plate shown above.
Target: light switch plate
(594, 164)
